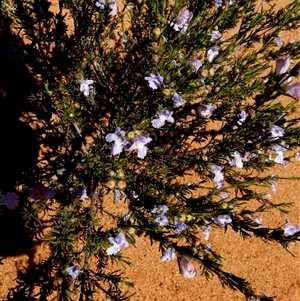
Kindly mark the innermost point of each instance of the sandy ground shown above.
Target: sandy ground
(271, 269)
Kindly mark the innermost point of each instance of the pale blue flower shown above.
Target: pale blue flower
(73, 271)
(100, 4)
(169, 254)
(183, 21)
(205, 111)
(224, 195)
(118, 243)
(276, 131)
(216, 35)
(237, 160)
(127, 217)
(139, 143)
(290, 229)
(274, 185)
(155, 81)
(243, 115)
(219, 177)
(119, 139)
(280, 151)
(222, 220)
(113, 7)
(258, 219)
(206, 232)
(85, 86)
(119, 195)
(212, 53)
(163, 116)
(179, 227)
(278, 41)
(178, 101)
(162, 220)
(294, 90)
(160, 209)
(218, 3)
(297, 156)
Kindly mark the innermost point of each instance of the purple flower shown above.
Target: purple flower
(118, 137)
(282, 65)
(10, 200)
(85, 86)
(169, 254)
(222, 220)
(100, 4)
(155, 81)
(183, 21)
(215, 35)
(139, 143)
(40, 193)
(163, 116)
(113, 6)
(178, 101)
(212, 53)
(237, 160)
(290, 229)
(276, 131)
(243, 115)
(206, 232)
(179, 227)
(195, 65)
(73, 272)
(187, 269)
(278, 41)
(297, 156)
(80, 192)
(205, 111)
(294, 90)
(118, 243)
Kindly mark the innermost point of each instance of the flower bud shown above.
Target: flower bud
(111, 184)
(204, 73)
(156, 31)
(155, 58)
(120, 173)
(112, 173)
(130, 135)
(121, 184)
(131, 230)
(166, 92)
